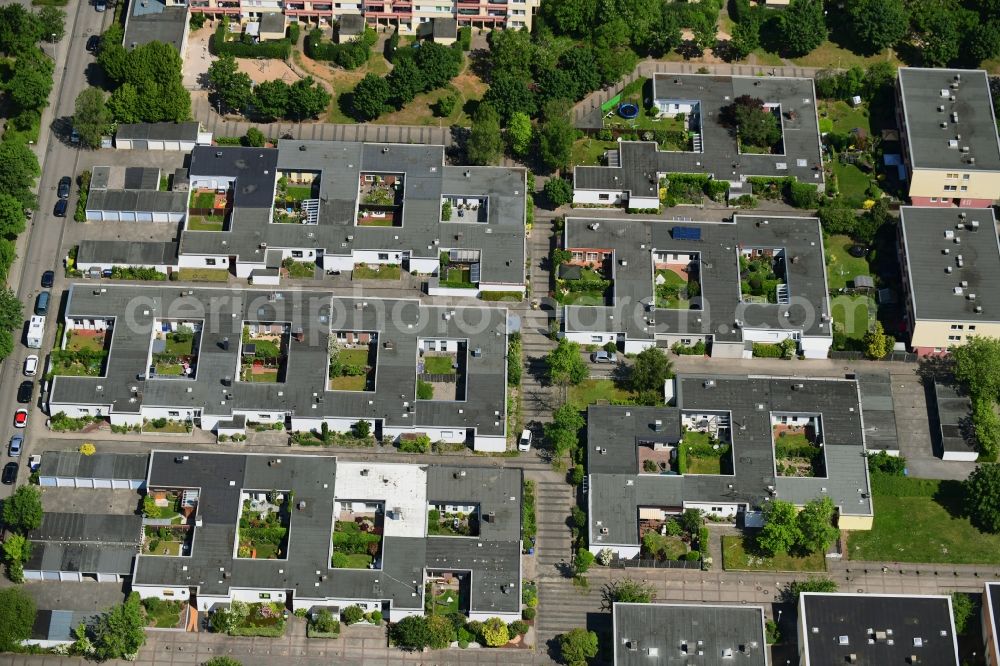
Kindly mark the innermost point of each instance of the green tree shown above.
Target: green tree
(440, 631)
(509, 93)
(411, 632)
(877, 24)
(31, 83)
(20, 169)
(755, 125)
(362, 429)
(121, 631)
(884, 464)
(19, 29)
(559, 191)
(11, 217)
(370, 97)
(254, 138)
(270, 99)
(52, 23)
(405, 81)
(353, 615)
(583, 561)
(815, 523)
(91, 118)
(962, 608)
(938, 35)
(797, 587)
(705, 32)
(626, 591)
(877, 343)
(665, 36)
(438, 64)
(565, 365)
(444, 106)
(781, 530)
(977, 366)
(233, 88)
(746, 36)
(17, 616)
(123, 105)
(485, 145)
(306, 99)
(556, 135)
(982, 498)
(494, 631)
(651, 370)
(802, 26)
(562, 432)
(519, 133)
(22, 511)
(11, 310)
(576, 646)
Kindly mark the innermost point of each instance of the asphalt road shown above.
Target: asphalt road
(40, 247)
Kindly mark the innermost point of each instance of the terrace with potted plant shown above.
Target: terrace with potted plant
(208, 210)
(445, 519)
(263, 526)
(469, 209)
(353, 356)
(264, 352)
(459, 269)
(441, 368)
(175, 349)
(762, 276)
(380, 200)
(357, 534)
(296, 198)
(584, 278)
(83, 354)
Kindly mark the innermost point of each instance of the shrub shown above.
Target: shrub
(517, 628)
(353, 615)
(494, 632)
(375, 617)
(465, 38)
(444, 106)
(418, 444)
(425, 391)
(278, 49)
(87, 449)
(577, 475)
(349, 55)
(254, 138)
(528, 613)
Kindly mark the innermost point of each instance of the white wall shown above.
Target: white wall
(172, 413)
(421, 265)
(338, 262)
(816, 347)
(489, 286)
(456, 292)
(371, 257)
(636, 346)
(307, 254)
(644, 202)
(76, 411)
(591, 337)
(452, 435)
(253, 596)
(491, 443)
(717, 509)
(594, 197)
(306, 424)
(624, 552)
(450, 345)
(963, 456)
(199, 261)
(262, 416)
(265, 280)
(506, 617)
(160, 592)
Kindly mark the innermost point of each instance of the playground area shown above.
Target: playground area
(198, 59)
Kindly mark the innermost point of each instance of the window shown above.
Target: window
(933, 199)
(263, 416)
(950, 188)
(686, 341)
(597, 338)
(604, 197)
(955, 337)
(964, 188)
(951, 176)
(716, 509)
(447, 434)
(84, 410)
(972, 327)
(168, 593)
(965, 176)
(957, 327)
(173, 413)
(431, 345)
(210, 262)
(591, 256)
(296, 254)
(383, 256)
(264, 595)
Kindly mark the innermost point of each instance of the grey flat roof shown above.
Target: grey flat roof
(399, 322)
(426, 178)
(272, 22)
(664, 634)
(991, 607)
(127, 253)
(153, 21)
(955, 417)
(142, 178)
(720, 154)
(618, 488)
(75, 465)
(927, 234)
(158, 131)
(91, 558)
(89, 528)
(879, 412)
(444, 28)
(634, 241)
(493, 559)
(351, 24)
(923, 91)
(835, 626)
(137, 201)
(60, 625)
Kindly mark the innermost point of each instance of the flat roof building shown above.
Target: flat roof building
(758, 278)
(836, 629)
(950, 266)
(949, 135)
(661, 634)
(157, 21)
(76, 547)
(190, 355)
(640, 472)
(991, 623)
(317, 496)
(632, 175)
(341, 204)
(98, 470)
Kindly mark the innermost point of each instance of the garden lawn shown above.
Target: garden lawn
(830, 55)
(440, 604)
(459, 275)
(438, 365)
(204, 275)
(265, 377)
(169, 369)
(736, 558)
(920, 520)
(852, 181)
(846, 117)
(358, 561)
(380, 272)
(203, 200)
(671, 279)
(184, 347)
(204, 223)
(590, 391)
(348, 383)
(165, 615)
(665, 547)
(851, 312)
(172, 426)
(80, 342)
(353, 357)
(301, 269)
(589, 151)
(841, 267)
(298, 192)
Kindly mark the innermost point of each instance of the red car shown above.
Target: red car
(20, 418)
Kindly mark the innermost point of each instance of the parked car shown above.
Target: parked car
(24, 392)
(21, 418)
(14, 448)
(603, 357)
(9, 473)
(30, 366)
(94, 43)
(48, 279)
(65, 184)
(524, 444)
(60, 208)
(100, 5)
(42, 303)
(74, 136)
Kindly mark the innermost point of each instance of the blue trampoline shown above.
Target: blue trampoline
(628, 111)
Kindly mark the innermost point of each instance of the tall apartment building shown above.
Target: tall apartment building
(406, 14)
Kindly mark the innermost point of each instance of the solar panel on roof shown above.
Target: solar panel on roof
(685, 233)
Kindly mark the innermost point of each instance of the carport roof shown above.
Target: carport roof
(158, 131)
(97, 528)
(91, 558)
(127, 253)
(136, 201)
(954, 414)
(73, 464)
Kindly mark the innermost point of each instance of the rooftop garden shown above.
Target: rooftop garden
(175, 349)
(757, 127)
(84, 354)
(289, 197)
(441, 522)
(376, 272)
(167, 505)
(380, 200)
(440, 374)
(703, 453)
(264, 521)
(760, 277)
(352, 364)
(583, 285)
(797, 451)
(207, 210)
(454, 274)
(264, 353)
(464, 209)
(445, 595)
(169, 541)
(357, 540)
(675, 287)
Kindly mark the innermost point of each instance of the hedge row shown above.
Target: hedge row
(351, 55)
(246, 48)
